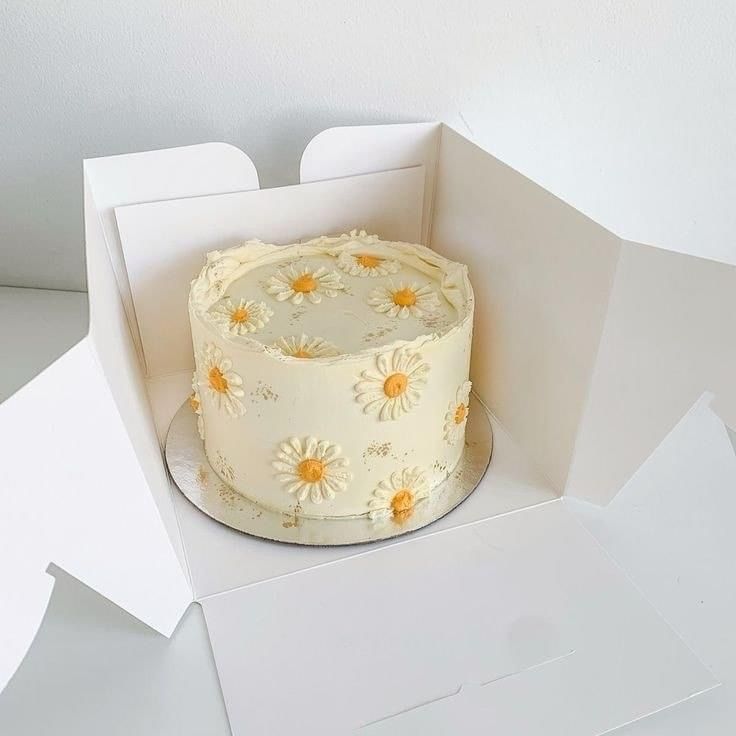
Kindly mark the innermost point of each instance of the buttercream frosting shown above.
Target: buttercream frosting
(332, 375)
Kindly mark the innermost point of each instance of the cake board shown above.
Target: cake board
(202, 486)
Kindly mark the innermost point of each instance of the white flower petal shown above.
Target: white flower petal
(309, 447)
(373, 406)
(378, 514)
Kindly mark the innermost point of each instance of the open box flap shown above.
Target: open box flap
(670, 334)
(527, 603)
(188, 171)
(74, 495)
(542, 273)
(366, 149)
(110, 338)
(671, 529)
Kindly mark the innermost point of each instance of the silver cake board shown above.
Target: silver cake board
(196, 479)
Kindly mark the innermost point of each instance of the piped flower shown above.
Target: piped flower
(306, 347)
(241, 317)
(294, 285)
(395, 386)
(311, 468)
(196, 403)
(396, 497)
(219, 380)
(457, 414)
(404, 300)
(364, 264)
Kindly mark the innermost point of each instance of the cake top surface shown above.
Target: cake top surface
(331, 296)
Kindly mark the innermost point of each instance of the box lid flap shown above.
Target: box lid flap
(668, 337)
(187, 171)
(75, 495)
(364, 149)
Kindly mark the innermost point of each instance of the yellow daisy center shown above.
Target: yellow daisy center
(395, 385)
(368, 261)
(311, 470)
(405, 297)
(239, 316)
(302, 353)
(402, 504)
(460, 413)
(304, 283)
(194, 402)
(218, 382)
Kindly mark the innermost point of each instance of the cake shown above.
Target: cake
(331, 376)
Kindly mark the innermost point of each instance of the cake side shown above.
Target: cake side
(309, 430)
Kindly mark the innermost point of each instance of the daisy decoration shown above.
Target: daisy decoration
(404, 300)
(363, 264)
(396, 497)
(395, 386)
(294, 285)
(222, 384)
(311, 468)
(457, 414)
(306, 347)
(241, 317)
(196, 404)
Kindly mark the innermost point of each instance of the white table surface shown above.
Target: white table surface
(93, 669)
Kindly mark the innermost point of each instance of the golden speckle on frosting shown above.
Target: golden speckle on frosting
(194, 402)
(224, 467)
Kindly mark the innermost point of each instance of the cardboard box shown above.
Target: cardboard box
(506, 613)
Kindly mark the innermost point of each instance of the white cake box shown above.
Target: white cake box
(505, 615)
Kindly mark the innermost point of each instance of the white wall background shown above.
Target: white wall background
(624, 108)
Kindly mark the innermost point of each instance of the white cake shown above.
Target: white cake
(332, 376)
